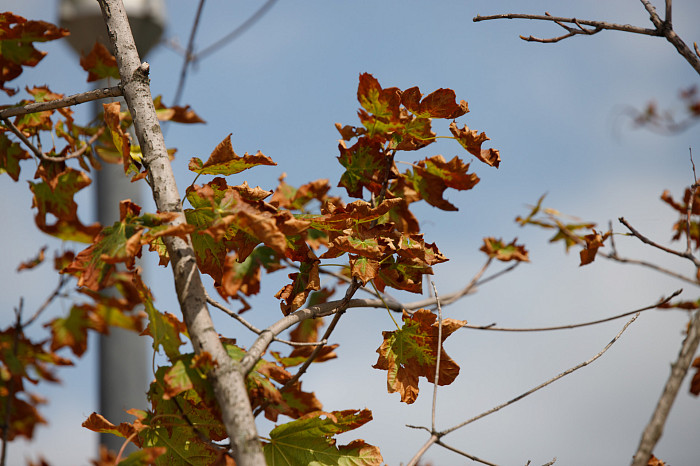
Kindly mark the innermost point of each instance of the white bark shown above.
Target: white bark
(227, 379)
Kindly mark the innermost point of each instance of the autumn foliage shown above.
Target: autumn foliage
(238, 233)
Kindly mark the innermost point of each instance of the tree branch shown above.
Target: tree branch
(75, 99)
(661, 28)
(43, 157)
(465, 454)
(542, 385)
(584, 324)
(646, 240)
(579, 23)
(227, 377)
(652, 432)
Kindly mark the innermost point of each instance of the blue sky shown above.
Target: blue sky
(556, 113)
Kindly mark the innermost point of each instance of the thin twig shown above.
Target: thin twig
(542, 385)
(652, 432)
(662, 29)
(259, 346)
(465, 454)
(62, 280)
(188, 54)
(584, 324)
(341, 310)
(75, 99)
(615, 257)
(37, 150)
(439, 351)
(253, 328)
(342, 306)
(255, 17)
(689, 211)
(433, 439)
(599, 25)
(646, 240)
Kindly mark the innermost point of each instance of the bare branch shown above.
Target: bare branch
(253, 328)
(75, 99)
(652, 432)
(584, 324)
(62, 280)
(254, 18)
(542, 385)
(465, 454)
(615, 257)
(579, 23)
(259, 346)
(646, 240)
(661, 29)
(439, 351)
(433, 439)
(40, 155)
(341, 310)
(189, 57)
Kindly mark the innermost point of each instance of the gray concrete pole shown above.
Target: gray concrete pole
(123, 369)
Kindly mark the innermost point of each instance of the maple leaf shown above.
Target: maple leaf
(472, 140)
(654, 461)
(309, 441)
(262, 391)
(10, 155)
(432, 176)
(224, 161)
(411, 352)
(370, 242)
(363, 268)
(175, 113)
(348, 132)
(294, 295)
(99, 63)
(245, 276)
(695, 381)
(594, 241)
(495, 248)
(402, 273)
(17, 37)
(681, 226)
(54, 196)
(122, 242)
(413, 247)
(438, 104)
(35, 261)
(364, 164)
(72, 330)
(383, 103)
(165, 329)
(22, 359)
(289, 197)
(130, 155)
(225, 220)
(98, 423)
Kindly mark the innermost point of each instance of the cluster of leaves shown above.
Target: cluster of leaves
(236, 231)
(665, 121)
(567, 230)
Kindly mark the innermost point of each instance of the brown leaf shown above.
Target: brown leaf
(695, 382)
(472, 140)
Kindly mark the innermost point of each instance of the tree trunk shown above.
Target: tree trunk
(227, 378)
